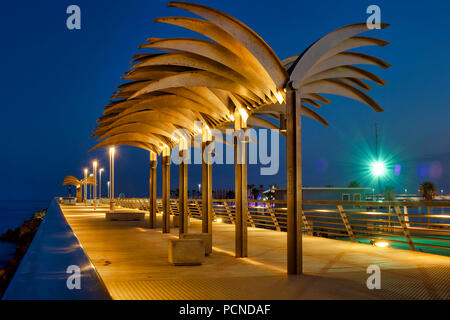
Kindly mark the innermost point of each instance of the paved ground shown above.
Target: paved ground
(132, 261)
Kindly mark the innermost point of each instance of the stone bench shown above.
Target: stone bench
(186, 252)
(206, 237)
(125, 216)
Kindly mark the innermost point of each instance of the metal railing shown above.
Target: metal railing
(422, 226)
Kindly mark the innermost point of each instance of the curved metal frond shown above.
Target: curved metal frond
(208, 79)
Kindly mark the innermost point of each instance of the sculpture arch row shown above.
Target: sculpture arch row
(208, 80)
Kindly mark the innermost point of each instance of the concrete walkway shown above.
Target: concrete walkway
(132, 261)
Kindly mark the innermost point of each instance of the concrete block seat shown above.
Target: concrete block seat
(186, 252)
(206, 237)
(125, 216)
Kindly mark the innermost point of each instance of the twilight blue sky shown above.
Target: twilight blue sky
(56, 81)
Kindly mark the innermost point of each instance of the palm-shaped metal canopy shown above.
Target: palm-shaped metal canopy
(207, 80)
(72, 181)
(212, 80)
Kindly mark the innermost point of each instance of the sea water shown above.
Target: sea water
(12, 215)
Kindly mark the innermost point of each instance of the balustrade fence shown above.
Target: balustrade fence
(422, 226)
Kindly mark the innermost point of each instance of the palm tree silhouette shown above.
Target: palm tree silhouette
(428, 190)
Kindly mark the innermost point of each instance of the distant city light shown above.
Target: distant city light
(378, 168)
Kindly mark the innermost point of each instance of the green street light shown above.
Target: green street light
(378, 169)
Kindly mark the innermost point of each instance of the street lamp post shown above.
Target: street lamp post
(108, 188)
(85, 186)
(111, 178)
(94, 167)
(90, 187)
(100, 183)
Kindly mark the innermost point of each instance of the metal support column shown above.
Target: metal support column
(240, 165)
(183, 194)
(294, 181)
(152, 192)
(206, 182)
(166, 191)
(111, 179)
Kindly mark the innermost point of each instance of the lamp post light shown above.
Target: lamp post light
(378, 169)
(112, 151)
(94, 167)
(90, 187)
(100, 183)
(85, 185)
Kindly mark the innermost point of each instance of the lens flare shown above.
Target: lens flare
(378, 168)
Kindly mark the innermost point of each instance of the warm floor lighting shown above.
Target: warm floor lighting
(381, 244)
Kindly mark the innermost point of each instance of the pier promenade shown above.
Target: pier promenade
(132, 261)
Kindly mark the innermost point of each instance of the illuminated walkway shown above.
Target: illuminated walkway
(132, 261)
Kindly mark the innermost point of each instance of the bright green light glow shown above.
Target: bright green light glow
(378, 168)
